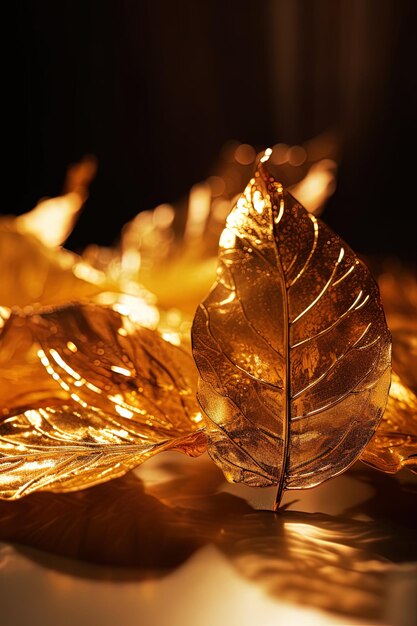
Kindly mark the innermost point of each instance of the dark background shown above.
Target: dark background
(154, 88)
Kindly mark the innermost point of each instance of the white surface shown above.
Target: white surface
(235, 579)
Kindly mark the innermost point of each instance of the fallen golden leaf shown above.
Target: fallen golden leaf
(291, 345)
(129, 394)
(24, 382)
(33, 274)
(394, 443)
(67, 448)
(174, 245)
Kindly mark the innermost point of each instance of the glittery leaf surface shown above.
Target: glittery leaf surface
(124, 394)
(394, 444)
(291, 345)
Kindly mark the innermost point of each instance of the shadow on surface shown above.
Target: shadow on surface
(338, 563)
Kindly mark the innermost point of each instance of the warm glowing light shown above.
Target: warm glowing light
(198, 210)
(258, 201)
(296, 156)
(364, 301)
(123, 411)
(131, 261)
(121, 370)
(245, 154)
(93, 387)
(230, 298)
(266, 155)
(121, 308)
(172, 337)
(318, 184)
(227, 239)
(77, 399)
(60, 361)
(31, 466)
(52, 220)
(163, 216)
(34, 418)
(43, 358)
(279, 154)
(84, 271)
(217, 186)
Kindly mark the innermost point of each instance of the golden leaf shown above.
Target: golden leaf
(24, 382)
(291, 345)
(398, 287)
(173, 244)
(35, 276)
(394, 444)
(32, 274)
(129, 395)
(53, 219)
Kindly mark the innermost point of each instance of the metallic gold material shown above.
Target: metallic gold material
(32, 274)
(394, 444)
(118, 394)
(174, 245)
(24, 382)
(291, 344)
(398, 285)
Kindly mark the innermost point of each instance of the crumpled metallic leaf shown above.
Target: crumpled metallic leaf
(124, 393)
(24, 381)
(291, 345)
(33, 274)
(178, 244)
(398, 287)
(394, 444)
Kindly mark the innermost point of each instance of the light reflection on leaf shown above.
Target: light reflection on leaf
(394, 444)
(291, 344)
(128, 394)
(398, 285)
(32, 274)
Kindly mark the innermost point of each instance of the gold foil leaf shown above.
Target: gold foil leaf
(24, 381)
(291, 345)
(394, 444)
(398, 286)
(129, 395)
(32, 274)
(67, 448)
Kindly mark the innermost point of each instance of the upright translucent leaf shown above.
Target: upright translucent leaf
(291, 345)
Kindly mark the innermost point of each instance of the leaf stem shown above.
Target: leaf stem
(287, 376)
